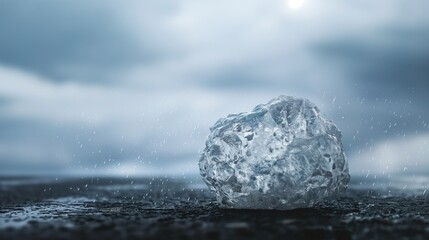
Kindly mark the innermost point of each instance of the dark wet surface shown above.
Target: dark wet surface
(114, 208)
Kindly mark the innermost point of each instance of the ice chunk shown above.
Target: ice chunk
(282, 155)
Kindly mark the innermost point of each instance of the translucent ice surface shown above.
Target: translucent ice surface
(282, 155)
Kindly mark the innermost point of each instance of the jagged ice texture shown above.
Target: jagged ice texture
(282, 155)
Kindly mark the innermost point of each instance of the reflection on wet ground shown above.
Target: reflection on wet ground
(123, 208)
(52, 211)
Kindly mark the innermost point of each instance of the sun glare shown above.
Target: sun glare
(295, 4)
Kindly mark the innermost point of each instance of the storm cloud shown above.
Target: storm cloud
(133, 87)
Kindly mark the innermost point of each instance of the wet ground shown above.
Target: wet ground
(169, 208)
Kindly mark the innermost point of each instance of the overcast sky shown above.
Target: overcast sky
(132, 87)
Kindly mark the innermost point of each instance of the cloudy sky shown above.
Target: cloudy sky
(132, 87)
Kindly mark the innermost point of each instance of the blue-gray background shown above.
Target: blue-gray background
(132, 87)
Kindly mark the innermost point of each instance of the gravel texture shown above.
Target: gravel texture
(168, 208)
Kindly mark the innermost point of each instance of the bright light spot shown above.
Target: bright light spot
(295, 4)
